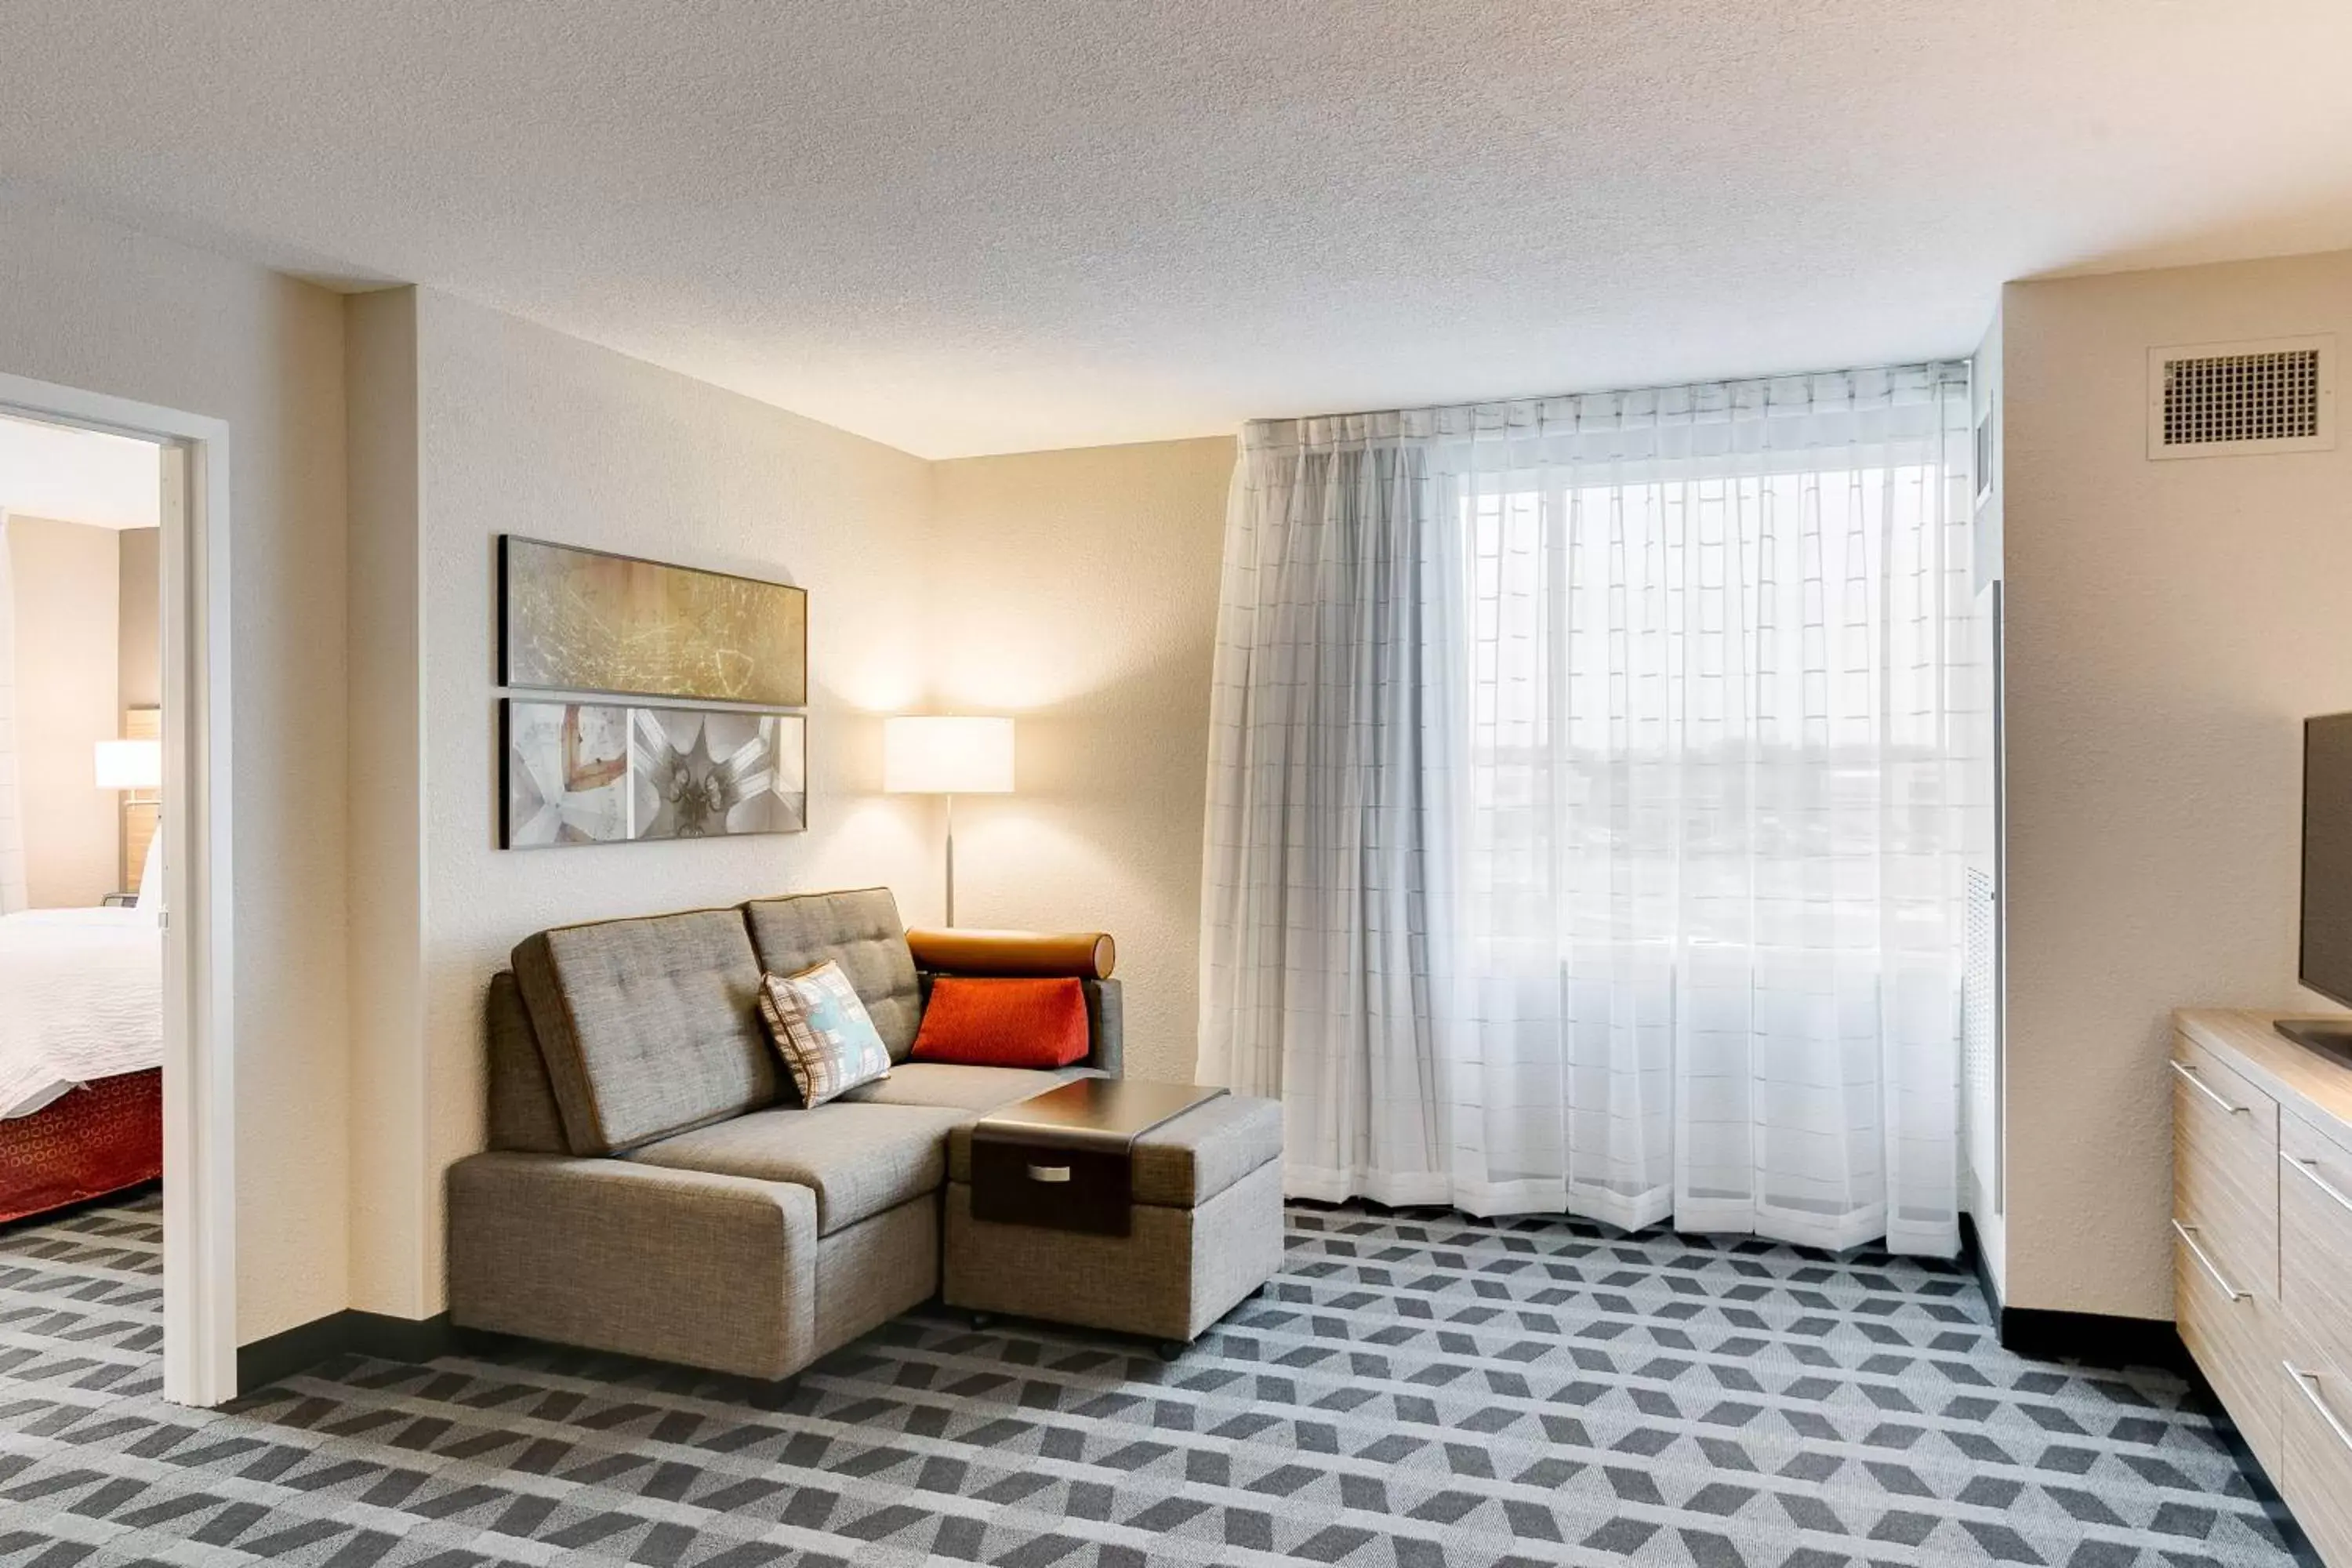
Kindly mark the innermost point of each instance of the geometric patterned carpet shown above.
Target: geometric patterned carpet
(1414, 1389)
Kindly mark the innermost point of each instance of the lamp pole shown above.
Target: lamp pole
(943, 755)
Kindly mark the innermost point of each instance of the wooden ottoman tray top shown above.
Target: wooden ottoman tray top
(1060, 1159)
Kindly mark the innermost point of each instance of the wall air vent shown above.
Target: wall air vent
(2212, 400)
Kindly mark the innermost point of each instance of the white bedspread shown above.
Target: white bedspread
(81, 997)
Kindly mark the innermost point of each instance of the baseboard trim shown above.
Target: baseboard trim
(305, 1345)
(388, 1338)
(281, 1355)
(1972, 1249)
(2094, 1337)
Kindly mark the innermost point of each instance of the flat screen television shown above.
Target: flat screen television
(2325, 957)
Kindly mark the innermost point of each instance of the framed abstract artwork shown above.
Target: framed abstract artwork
(610, 773)
(582, 620)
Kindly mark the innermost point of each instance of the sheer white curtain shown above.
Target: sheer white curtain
(12, 822)
(1688, 673)
(1321, 838)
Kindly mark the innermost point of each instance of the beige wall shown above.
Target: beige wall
(139, 666)
(1077, 591)
(387, 808)
(519, 429)
(66, 604)
(93, 306)
(2169, 626)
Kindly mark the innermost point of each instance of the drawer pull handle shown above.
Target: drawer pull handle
(1049, 1173)
(2308, 1382)
(2188, 1234)
(2194, 1079)
(2310, 1169)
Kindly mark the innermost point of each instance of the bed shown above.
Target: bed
(81, 1052)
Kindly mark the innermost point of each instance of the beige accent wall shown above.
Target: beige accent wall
(519, 429)
(2170, 623)
(91, 305)
(66, 604)
(139, 666)
(1077, 591)
(138, 677)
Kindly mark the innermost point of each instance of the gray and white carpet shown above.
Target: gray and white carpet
(1413, 1390)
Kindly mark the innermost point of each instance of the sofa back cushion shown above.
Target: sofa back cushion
(649, 1026)
(860, 931)
(523, 1115)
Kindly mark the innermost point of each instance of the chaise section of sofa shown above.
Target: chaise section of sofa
(655, 1187)
(712, 1271)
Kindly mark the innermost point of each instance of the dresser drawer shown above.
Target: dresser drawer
(2225, 1172)
(2315, 1475)
(2232, 1332)
(2315, 1240)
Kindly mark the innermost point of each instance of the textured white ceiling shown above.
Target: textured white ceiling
(960, 226)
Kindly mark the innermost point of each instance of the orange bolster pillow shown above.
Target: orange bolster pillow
(1027, 954)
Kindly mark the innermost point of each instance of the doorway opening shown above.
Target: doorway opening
(116, 919)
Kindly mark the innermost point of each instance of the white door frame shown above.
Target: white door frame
(199, 940)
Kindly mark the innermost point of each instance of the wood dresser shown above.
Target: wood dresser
(2262, 1216)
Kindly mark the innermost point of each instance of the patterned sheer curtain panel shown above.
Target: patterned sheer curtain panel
(12, 821)
(1666, 921)
(1323, 832)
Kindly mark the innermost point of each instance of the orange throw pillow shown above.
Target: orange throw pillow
(1004, 1023)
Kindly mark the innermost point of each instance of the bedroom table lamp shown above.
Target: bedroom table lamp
(130, 765)
(946, 756)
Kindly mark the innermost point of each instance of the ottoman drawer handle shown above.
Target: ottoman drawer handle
(1049, 1173)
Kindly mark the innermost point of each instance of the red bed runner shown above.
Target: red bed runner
(89, 1142)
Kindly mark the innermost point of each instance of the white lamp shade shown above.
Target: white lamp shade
(130, 765)
(947, 756)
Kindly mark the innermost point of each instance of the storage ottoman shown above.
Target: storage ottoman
(1204, 1230)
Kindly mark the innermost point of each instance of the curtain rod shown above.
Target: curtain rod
(1964, 363)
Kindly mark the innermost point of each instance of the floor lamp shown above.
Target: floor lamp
(949, 757)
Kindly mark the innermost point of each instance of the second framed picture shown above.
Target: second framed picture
(609, 772)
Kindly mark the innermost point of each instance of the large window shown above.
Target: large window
(1592, 787)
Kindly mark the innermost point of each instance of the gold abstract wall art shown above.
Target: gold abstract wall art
(581, 620)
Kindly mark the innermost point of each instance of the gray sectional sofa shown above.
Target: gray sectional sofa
(653, 1185)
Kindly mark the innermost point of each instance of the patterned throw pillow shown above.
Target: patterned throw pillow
(822, 1031)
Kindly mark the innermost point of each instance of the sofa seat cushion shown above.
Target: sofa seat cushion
(959, 1088)
(1183, 1163)
(861, 931)
(859, 1159)
(649, 1026)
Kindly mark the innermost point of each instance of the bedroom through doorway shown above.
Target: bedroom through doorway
(81, 761)
(114, 939)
